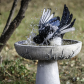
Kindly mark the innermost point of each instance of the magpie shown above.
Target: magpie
(52, 29)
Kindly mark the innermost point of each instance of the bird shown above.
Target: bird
(52, 29)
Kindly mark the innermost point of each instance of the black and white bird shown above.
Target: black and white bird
(51, 29)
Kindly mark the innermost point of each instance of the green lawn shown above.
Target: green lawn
(14, 69)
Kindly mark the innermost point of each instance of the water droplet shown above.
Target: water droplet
(26, 50)
(40, 65)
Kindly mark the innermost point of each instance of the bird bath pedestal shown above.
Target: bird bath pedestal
(47, 69)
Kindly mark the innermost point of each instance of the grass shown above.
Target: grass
(17, 70)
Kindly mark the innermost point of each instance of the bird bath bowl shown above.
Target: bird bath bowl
(47, 69)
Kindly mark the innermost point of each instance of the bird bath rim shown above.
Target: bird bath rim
(33, 52)
(72, 42)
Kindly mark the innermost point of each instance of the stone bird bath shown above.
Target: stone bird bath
(47, 56)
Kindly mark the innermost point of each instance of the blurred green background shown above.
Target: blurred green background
(31, 20)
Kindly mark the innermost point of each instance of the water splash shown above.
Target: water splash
(33, 34)
(30, 39)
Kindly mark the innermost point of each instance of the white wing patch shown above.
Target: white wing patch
(46, 16)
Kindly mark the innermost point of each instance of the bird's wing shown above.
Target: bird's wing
(65, 17)
(67, 26)
(65, 23)
(46, 16)
(54, 21)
